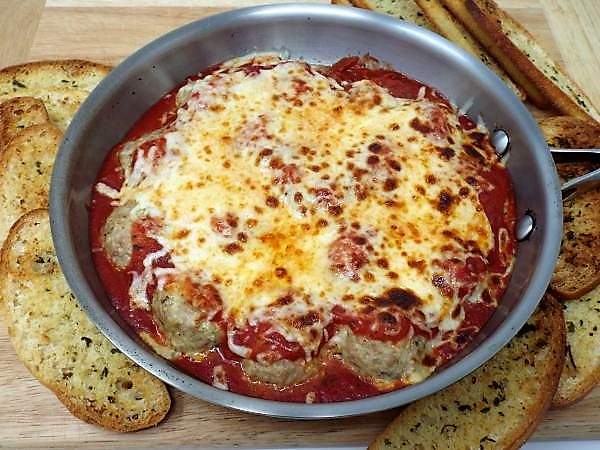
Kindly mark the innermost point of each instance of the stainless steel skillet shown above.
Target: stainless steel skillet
(319, 34)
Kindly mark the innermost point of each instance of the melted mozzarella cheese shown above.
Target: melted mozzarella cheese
(265, 148)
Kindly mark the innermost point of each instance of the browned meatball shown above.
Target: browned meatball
(186, 327)
(383, 362)
(282, 373)
(116, 236)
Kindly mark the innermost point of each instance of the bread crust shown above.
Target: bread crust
(519, 382)
(82, 356)
(575, 294)
(360, 4)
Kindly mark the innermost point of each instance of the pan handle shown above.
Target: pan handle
(583, 183)
(580, 184)
(594, 151)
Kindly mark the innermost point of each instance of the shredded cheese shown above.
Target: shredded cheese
(301, 162)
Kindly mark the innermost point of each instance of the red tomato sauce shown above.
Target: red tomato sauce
(336, 382)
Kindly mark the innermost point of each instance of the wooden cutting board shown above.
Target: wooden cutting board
(108, 31)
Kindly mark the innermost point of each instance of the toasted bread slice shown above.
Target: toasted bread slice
(522, 57)
(570, 132)
(59, 345)
(70, 73)
(26, 167)
(452, 29)
(62, 85)
(402, 9)
(497, 406)
(342, 2)
(19, 113)
(578, 268)
(582, 363)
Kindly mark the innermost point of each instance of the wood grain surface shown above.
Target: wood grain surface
(19, 21)
(108, 31)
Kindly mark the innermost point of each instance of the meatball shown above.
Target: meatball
(282, 373)
(185, 327)
(383, 362)
(116, 236)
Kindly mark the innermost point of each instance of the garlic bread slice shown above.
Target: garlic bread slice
(578, 268)
(497, 406)
(60, 346)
